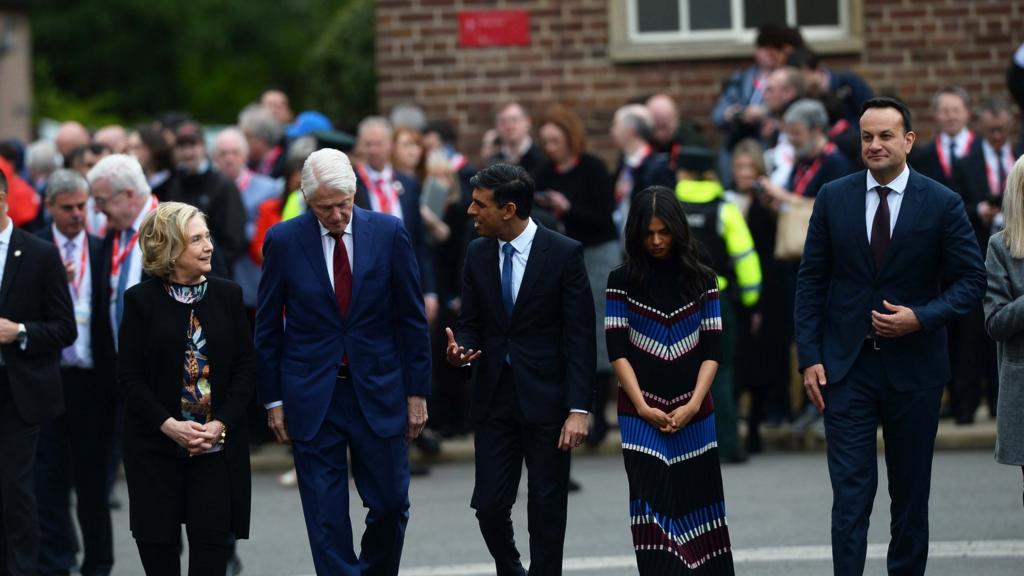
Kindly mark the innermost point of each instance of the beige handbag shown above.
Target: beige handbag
(791, 229)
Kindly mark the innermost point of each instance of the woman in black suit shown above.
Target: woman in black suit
(187, 369)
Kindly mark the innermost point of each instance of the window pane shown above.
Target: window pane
(657, 15)
(757, 13)
(710, 14)
(817, 12)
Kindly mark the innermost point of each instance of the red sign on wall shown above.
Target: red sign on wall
(494, 28)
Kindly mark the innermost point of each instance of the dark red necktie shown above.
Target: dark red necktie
(880, 228)
(342, 275)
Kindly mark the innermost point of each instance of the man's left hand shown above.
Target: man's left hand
(574, 431)
(900, 322)
(8, 331)
(417, 417)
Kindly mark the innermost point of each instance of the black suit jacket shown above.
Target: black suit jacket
(926, 161)
(409, 197)
(101, 336)
(34, 292)
(970, 175)
(550, 337)
(152, 349)
(932, 266)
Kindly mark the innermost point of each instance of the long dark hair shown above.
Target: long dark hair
(659, 201)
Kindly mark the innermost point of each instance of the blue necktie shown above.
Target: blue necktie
(506, 278)
(69, 354)
(122, 279)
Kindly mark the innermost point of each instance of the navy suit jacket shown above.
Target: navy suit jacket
(409, 198)
(384, 334)
(933, 266)
(550, 337)
(926, 161)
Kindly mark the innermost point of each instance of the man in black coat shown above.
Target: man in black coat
(527, 325)
(73, 446)
(36, 323)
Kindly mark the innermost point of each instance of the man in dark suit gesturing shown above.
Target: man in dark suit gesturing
(873, 298)
(527, 323)
(36, 323)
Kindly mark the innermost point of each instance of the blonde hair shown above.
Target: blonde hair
(1013, 209)
(163, 236)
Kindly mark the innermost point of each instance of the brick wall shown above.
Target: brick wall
(911, 48)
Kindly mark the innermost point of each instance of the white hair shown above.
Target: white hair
(122, 172)
(232, 132)
(375, 122)
(328, 167)
(261, 123)
(408, 116)
(64, 182)
(42, 157)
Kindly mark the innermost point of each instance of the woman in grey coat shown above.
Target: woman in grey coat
(1004, 319)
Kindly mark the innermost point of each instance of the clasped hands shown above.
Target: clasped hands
(671, 422)
(193, 436)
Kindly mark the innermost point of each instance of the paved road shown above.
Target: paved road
(778, 515)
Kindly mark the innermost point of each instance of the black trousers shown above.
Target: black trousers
(854, 407)
(206, 503)
(973, 359)
(19, 529)
(72, 454)
(503, 440)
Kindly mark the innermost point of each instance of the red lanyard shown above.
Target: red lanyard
(838, 128)
(993, 175)
(119, 254)
(804, 175)
(383, 198)
(243, 180)
(82, 264)
(947, 163)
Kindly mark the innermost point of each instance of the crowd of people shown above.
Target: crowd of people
(694, 261)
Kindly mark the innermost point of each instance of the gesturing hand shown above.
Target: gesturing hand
(814, 379)
(901, 322)
(457, 355)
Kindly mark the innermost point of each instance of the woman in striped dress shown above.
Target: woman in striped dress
(663, 326)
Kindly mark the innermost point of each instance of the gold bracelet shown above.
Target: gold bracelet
(223, 433)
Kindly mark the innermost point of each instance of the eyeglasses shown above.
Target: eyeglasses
(100, 202)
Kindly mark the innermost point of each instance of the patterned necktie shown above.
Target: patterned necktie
(342, 275)
(68, 354)
(1002, 176)
(122, 278)
(506, 278)
(880, 228)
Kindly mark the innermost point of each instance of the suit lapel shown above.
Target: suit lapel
(362, 245)
(14, 258)
(312, 246)
(857, 196)
(910, 208)
(492, 278)
(534, 266)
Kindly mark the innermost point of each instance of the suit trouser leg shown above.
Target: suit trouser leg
(548, 492)
(58, 542)
(498, 448)
(321, 466)
(380, 470)
(18, 440)
(207, 514)
(909, 423)
(87, 419)
(852, 415)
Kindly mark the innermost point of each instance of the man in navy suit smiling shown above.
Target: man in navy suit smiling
(890, 259)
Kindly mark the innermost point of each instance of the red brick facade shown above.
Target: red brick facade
(911, 47)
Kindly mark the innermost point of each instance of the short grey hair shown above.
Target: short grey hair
(64, 182)
(637, 118)
(261, 123)
(809, 112)
(42, 157)
(375, 122)
(232, 132)
(298, 151)
(122, 172)
(408, 116)
(328, 167)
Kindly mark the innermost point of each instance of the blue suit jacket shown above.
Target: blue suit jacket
(385, 333)
(933, 266)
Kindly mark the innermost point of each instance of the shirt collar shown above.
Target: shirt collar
(959, 139)
(637, 157)
(374, 175)
(525, 239)
(5, 234)
(990, 150)
(898, 184)
(325, 232)
(142, 215)
(62, 239)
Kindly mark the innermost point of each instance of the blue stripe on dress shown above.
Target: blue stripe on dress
(693, 440)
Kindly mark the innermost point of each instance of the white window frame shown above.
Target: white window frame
(628, 44)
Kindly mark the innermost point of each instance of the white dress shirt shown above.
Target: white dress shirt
(134, 263)
(961, 142)
(894, 199)
(992, 159)
(386, 178)
(82, 301)
(5, 243)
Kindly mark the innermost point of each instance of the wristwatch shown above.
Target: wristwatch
(22, 335)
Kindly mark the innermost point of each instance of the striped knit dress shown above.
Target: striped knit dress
(676, 502)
